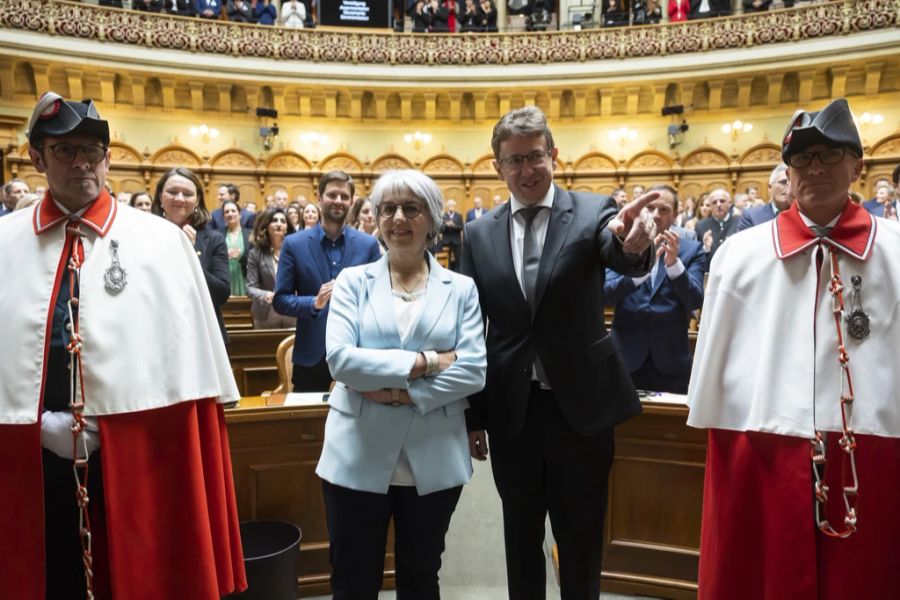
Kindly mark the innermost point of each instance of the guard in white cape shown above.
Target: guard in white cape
(797, 377)
(112, 379)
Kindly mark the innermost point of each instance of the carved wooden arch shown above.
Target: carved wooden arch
(234, 158)
(484, 164)
(121, 153)
(766, 153)
(706, 156)
(649, 160)
(596, 161)
(443, 164)
(341, 161)
(176, 155)
(390, 161)
(886, 146)
(288, 161)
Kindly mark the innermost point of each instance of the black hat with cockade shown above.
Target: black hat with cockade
(54, 116)
(832, 126)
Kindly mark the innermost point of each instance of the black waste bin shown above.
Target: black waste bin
(271, 550)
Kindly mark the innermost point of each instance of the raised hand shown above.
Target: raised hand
(633, 226)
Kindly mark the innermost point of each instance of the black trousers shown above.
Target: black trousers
(551, 468)
(315, 378)
(357, 532)
(63, 554)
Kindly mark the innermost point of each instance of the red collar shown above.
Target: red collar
(854, 232)
(99, 216)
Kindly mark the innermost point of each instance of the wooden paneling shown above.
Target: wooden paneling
(252, 356)
(655, 501)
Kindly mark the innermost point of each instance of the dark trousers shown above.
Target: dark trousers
(647, 377)
(549, 467)
(63, 554)
(315, 378)
(357, 533)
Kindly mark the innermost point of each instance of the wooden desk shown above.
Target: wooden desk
(655, 501)
(274, 452)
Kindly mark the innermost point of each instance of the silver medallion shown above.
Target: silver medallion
(115, 276)
(857, 319)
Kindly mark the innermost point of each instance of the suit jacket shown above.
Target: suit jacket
(756, 216)
(363, 439)
(470, 216)
(582, 363)
(302, 270)
(719, 232)
(217, 219)
(652, 320)
(451, 234)
(213, 256)
(214, 5)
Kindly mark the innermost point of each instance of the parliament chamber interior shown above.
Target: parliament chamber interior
(636, 97)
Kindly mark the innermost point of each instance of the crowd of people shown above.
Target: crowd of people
(450, 16)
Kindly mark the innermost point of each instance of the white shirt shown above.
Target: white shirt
(406, 314)
(517, 231)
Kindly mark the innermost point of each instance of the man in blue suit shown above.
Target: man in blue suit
(653, 311)
(229, 191)
(309, 263)
(208, 9)
(779, 199)
(478, 211)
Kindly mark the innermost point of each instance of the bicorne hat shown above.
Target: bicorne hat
(54, 116)
(831, 126)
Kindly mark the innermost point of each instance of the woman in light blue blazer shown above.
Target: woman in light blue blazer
(404, 342)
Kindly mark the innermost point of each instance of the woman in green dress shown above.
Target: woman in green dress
(238, 241)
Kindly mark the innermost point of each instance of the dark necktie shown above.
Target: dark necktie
(531, 261)
(531, 254)
(660, 272)
(820, 231)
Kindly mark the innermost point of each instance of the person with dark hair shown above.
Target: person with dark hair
(237, 240)
(294, 218)
(266, 12)
(208, 9)
(179, 198)
(141, 200)
(112, 381)
(262, 267)
(556, 385)
(488, 16)
(470, 19)
(362, 217)
(795, 383)
(229, 191)
(240, 11)
(653, 311)
(310, 261)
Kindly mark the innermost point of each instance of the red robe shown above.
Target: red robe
(169, 528)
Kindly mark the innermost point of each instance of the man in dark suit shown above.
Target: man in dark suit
(715, 229)
(229, 191)
(779, 199)
(451, 233)
(478, 211)
(556, 385)
(310, 261)
(653, 311)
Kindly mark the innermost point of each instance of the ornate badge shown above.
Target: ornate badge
(857, 319)
(115, 276)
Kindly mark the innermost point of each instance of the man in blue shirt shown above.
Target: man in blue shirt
(309, 263)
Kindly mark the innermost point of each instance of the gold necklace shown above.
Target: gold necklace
(407, 295)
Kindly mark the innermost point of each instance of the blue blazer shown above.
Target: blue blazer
(874, 207)
(214, 5)
(653, 321)
(756, 216)
(363, 439)
(302, 269)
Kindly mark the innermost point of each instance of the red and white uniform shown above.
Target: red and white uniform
(155, 375)
(766, 376)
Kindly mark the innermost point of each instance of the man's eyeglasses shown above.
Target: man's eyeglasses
(67, 152)
(410, 211)
(829, 156)
(517, 161)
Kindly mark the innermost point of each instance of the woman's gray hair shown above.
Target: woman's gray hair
(419, 185)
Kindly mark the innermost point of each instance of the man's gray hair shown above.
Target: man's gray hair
(778, 170)
(527, 121)
(419, 185)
